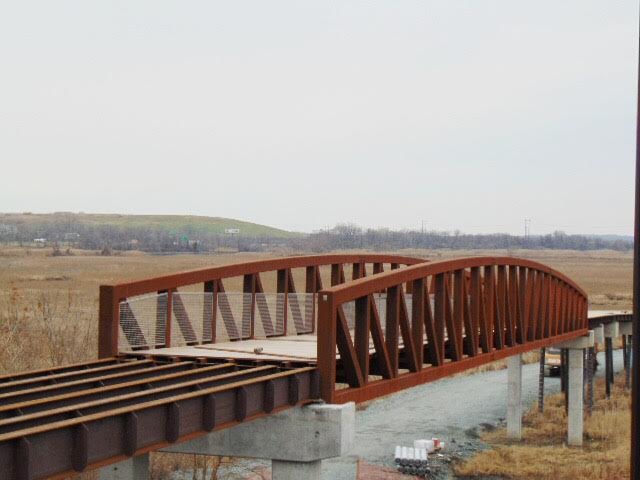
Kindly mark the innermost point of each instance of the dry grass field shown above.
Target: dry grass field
(48, 304)
(543, 453)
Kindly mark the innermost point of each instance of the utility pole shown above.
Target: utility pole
(527, 229)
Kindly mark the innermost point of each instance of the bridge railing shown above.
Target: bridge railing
(194, 307)
(439, 318)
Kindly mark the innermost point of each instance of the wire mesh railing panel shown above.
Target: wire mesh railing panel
(143, 322)
(381, 305)
(301, 313)
(409, 301)
(233, 316)
(236, 315)
(191, 319)
(269, 315)
(349, 309)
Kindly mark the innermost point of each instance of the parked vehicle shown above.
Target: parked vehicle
(552, 362)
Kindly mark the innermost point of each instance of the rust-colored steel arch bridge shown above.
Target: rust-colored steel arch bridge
(184, 354)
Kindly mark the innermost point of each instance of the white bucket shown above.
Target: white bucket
(428, 445)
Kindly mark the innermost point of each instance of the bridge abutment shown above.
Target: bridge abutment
(135, 468)
(295, 440)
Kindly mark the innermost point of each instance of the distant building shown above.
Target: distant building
(232, 231)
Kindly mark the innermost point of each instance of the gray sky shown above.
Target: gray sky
(470, 115)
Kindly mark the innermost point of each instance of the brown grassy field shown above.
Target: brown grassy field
(543, 453)
(605, 275)
(48, 304)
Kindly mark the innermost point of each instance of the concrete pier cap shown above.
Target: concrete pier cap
(305, 434)
(611, 330)
(625, 328)
(586, 341)
(599, 334)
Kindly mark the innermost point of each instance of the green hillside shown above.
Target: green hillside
(171, 223)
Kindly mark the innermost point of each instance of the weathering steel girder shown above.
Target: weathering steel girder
(90, 441)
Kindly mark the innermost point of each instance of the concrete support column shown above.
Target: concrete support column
(135, 468)
(611, 331)
(626, 330)
(514, 397)
(576, 398)
(281, 470)
(575, 410)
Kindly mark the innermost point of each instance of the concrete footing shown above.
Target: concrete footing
(295, 470)
(135, 468)
(514, 397)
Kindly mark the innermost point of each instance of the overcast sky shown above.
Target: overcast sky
(469, 115)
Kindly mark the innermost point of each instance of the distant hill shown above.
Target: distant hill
(171, 224)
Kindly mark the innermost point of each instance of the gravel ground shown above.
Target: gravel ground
(454, 409)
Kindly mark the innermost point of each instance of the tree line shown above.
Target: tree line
(340, 237)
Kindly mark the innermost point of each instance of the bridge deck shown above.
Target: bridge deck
(290, 348)
(53, 422)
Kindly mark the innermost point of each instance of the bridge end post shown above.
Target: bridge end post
(108, 322)
(514, 397)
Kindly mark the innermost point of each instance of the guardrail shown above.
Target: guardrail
(153, 312)
(462, 313)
